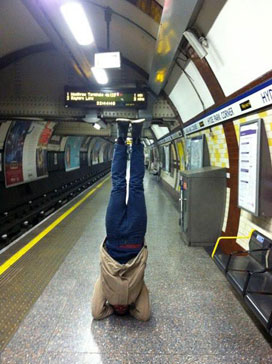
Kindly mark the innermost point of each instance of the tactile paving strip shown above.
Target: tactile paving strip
(22, 284)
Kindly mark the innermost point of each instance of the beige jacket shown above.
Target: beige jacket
(122, 283)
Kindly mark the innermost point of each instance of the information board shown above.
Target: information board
(111, 98)
(195, 152)
(249, 166)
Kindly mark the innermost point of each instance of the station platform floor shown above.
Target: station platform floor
(196, 316)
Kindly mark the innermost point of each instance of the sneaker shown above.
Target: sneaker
(137, 126)
(122, 130)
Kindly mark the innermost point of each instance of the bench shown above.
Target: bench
(250, 273)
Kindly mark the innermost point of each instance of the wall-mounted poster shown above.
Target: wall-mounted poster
(4, 127)
(196, 153)
(42, 147)
(249, 166)
(188, 152)
(35, 150)
(26, 151)
(95, 151)
(14, 152)
(72, 153)
(167, 157)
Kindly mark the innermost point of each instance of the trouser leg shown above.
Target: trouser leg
(141, 308)
(116, 210)
(136, 209)
(100, 307)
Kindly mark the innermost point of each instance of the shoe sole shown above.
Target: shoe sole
(123, 120)
(137, 121)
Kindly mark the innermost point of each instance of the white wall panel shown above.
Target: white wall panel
(240, 43)
(159, 131)
(184, 96)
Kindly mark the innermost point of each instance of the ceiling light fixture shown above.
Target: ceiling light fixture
(75, 17)
(100, 75)
(97, 126)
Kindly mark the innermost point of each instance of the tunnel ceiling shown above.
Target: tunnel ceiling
(38, 26)
(16, 35)
(134, 37)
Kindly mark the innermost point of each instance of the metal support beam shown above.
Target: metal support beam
(176, 16)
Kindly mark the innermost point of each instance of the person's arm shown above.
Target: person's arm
(141, 309)
(100, 307)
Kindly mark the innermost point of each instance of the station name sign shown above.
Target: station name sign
(106, 98)
(257, 98)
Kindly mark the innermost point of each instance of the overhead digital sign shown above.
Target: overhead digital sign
(111, 98)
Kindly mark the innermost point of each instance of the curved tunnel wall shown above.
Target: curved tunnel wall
(237, 60)
(57, 170)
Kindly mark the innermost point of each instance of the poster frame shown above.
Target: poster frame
(258, 160)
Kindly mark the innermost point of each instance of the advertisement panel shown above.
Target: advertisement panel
(167, 158)
(95, 152)
(41, 151)
(14, 152)
(26, 151)
(72, 153)
(4, 127)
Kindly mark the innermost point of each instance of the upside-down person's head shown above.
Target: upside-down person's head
(120, 309)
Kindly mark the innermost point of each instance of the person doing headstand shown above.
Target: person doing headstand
(123, 254)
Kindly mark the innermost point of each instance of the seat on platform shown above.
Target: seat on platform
(221, 260)
(250, 273)
(259, 297)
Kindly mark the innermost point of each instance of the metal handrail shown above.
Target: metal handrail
(231, 237)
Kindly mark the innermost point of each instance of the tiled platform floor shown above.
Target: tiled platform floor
(196, 317)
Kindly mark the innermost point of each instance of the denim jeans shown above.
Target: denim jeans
(126, 223)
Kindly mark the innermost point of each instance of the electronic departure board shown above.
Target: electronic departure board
(111, 98)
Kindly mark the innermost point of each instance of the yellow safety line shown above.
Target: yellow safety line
(34, 241)
(231, 237)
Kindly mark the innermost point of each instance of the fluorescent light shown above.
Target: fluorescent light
(107, 60)
(97, 126)
(77, 21)
(195, 43)
(100, 75)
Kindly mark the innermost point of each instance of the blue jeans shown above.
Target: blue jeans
(126, 223)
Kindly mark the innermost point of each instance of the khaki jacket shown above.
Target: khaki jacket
(122, 283)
